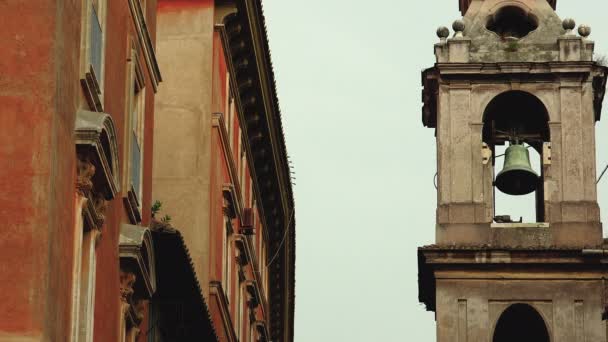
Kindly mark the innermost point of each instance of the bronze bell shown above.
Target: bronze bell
(517, 176)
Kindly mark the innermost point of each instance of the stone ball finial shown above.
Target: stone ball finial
(568, 24)
(443, 32)
(458, 25)
(584, 30)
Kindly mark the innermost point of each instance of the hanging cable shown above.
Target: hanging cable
(283, 240)
(602, 174)
(435, 180)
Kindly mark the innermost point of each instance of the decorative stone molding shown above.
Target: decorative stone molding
(136, 253)
(261, 330)
(231, 205)
(137, 273)
(97, 165)
(132, 307)
(96, 143)
(243, 255)
(84, 175)
(94, 207)
(127, 281)
(253, 294)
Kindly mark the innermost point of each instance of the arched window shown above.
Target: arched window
(521, 323)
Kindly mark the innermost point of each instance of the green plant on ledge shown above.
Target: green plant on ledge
(164, 224)
(156, 208)
(166, 219)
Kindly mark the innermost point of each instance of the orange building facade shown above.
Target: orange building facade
(220, 164)
(77, 99)
(135, 210)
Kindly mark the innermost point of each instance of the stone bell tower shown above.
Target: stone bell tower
(514, 75)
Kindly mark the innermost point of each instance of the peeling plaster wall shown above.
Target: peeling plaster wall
(468, 309)
(38, 97)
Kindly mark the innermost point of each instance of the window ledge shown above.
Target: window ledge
(132, 206)
(520, 225)
(92, 90)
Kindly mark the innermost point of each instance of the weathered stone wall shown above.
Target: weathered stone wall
(470, 303)
(465, 191)
(183, 121)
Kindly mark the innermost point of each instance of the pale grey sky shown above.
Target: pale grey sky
(348, 76)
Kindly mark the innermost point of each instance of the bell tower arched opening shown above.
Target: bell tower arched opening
(522, 323)
(515, 128)
(512, 22)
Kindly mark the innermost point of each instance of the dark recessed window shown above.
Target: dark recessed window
(512, 22)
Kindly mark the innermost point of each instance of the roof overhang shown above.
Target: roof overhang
(248, 56)
(178, 287)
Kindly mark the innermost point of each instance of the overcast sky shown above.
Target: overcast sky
(348, 76)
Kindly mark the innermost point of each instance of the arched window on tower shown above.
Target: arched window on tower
(521, 323)
(516, 129)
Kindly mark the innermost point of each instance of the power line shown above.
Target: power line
(283, 240)
(602, 174)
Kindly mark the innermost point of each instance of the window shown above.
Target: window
(96, 38)
(227, 255)
(243, 167)
(230, 124)
(87, 286)
(134, 136)
(238, 314)
(84, 273)
(522, 323)
(92, 52)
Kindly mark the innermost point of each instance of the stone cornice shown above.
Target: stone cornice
(580, 67)
(234, 84)
(522, 256)
(462, 262)
(571, 74)
(250, 67)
